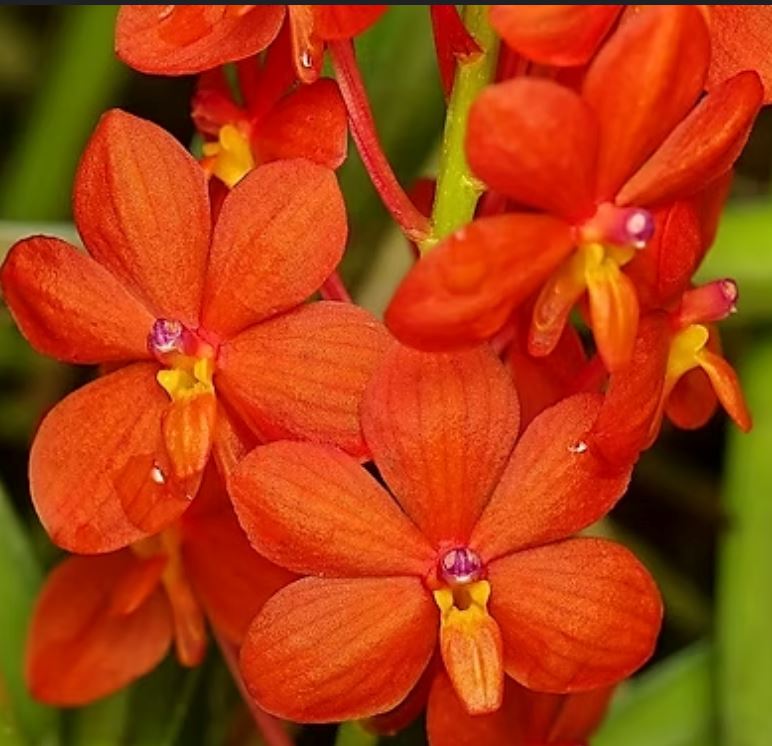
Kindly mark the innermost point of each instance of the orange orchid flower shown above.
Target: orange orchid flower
(479, 565)
(567, 35)
(102, 621)
(183, 39)
(202, 321)
(277, 121)
(677, 370)
(596, 165)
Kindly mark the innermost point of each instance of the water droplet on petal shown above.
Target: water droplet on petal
(578, 447)
(165, 12)
(150, 496)
(306, 60)
(157, 474)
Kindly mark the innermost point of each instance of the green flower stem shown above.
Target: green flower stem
(457, 189)
(744, 583)
(353, 734)
(79, 83)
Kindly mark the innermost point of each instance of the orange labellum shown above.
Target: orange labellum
(470, 642)
(188, 428)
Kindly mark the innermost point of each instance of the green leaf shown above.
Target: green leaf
(744, 586)
(670, 705)
(82, 75)
(12, 231)
(20, 578)
(160, 703)
(353, 734)
(742, 252)
(102, 723)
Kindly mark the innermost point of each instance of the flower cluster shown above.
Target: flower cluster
(384, 519)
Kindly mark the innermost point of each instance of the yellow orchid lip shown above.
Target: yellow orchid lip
(471, 646)
(685, 349)
(230, 157)
(188, 377)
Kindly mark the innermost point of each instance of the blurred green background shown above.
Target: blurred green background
(699, 512)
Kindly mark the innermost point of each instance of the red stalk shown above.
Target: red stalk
(415, 225)
(334, 289)
(452, 42)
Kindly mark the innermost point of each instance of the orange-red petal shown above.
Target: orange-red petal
(664, 269)
(409, 709)
(700, 149)
(642, 84)
(575, 615)
(307, 46)
(232, 440)
(280, 233)
(692, 402)
(614, 314)
(334, 22)
(740, 36)
(440, 428)
(80, 647)
(303, 374)
(323, 650)
(575, 717)
(183, 39)
(94, 457)
(553, 485)
(315, 510)
(632, 408)
(70, 307)
(311, 123)
(142, 208)
(727, 386)
(535, 141)
(559, 35)
(543, 381)
(449, 724)
(231, 579)
(526, 718)
(465, 289)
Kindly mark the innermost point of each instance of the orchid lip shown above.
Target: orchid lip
(460, 565)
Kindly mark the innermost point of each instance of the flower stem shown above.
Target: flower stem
(414, 224)
(269, 727)
(335, 289)
(353, 734)
(457, 189)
